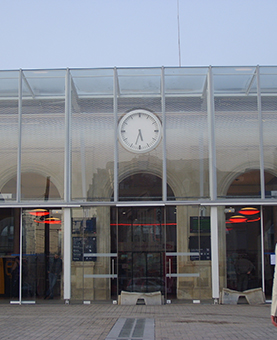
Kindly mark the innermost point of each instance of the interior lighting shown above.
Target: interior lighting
(39, 212)
(50, 220)
(248, 211)
(237, 219)
(254, 219)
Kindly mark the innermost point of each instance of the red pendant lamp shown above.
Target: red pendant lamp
(39, 212)
(249, 211)
(237, 219)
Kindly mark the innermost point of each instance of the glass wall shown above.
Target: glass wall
(148, 135)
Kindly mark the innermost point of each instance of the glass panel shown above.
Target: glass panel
(44, 83)
(92, 141)
(93, 82)
(185, 81)
(234, 80)
(141, 240)
(193, 255)
(243, 248)
(8, 133)
(270, 239)
(236, 131)
(42, 254)
(187, 144)
(9, 84)
(268, 80)
(93, 265)
(43, 135)
(9, 252)
(139, 81)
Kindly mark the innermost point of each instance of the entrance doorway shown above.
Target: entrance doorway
(144, 236)
(141, 236)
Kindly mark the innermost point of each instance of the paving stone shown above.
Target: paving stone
(174, 321)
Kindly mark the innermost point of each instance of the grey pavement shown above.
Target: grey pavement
(172, 321)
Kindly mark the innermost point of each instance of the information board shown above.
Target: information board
(201, 245)
(200, 224)
(81, 246)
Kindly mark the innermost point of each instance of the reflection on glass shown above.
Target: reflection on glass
(243, 250)
(42, 256)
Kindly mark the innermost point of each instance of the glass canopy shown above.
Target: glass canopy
(141, 81)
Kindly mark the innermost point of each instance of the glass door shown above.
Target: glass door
(94, 255)
(141, 249)
(188, 257)
(244, 243)
(41, 263)
(9, 254)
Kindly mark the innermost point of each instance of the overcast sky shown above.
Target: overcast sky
(127, 33)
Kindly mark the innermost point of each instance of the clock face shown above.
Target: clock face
(139, 131)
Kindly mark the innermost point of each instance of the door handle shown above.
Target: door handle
(113, 268)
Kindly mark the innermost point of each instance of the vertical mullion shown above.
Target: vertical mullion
(19, 149)
(115, 94)
(211, 131)
(259, 103)
(67, 253)
(67, 156)
(18, 182)
(164, 179)
(20, 256)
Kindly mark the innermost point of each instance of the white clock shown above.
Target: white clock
(139, 131)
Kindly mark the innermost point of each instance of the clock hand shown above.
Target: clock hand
(139, 135)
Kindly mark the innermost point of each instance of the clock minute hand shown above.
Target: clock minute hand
(139, 135)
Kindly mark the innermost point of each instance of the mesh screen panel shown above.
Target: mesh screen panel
(8, 137)
(187, 147)
(43, 136)
(92, 143)
(236, 135)
(132, 163)
(269, 120)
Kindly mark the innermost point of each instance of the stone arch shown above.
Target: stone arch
(225, 181)
(142, 165)
(150, 187)
(240, 174)
(33, 187)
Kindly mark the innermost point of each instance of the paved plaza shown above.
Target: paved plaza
(172, 321)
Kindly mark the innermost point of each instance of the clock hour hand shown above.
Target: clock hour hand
(139, 136)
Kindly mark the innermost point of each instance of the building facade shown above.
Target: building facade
(140, 179)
